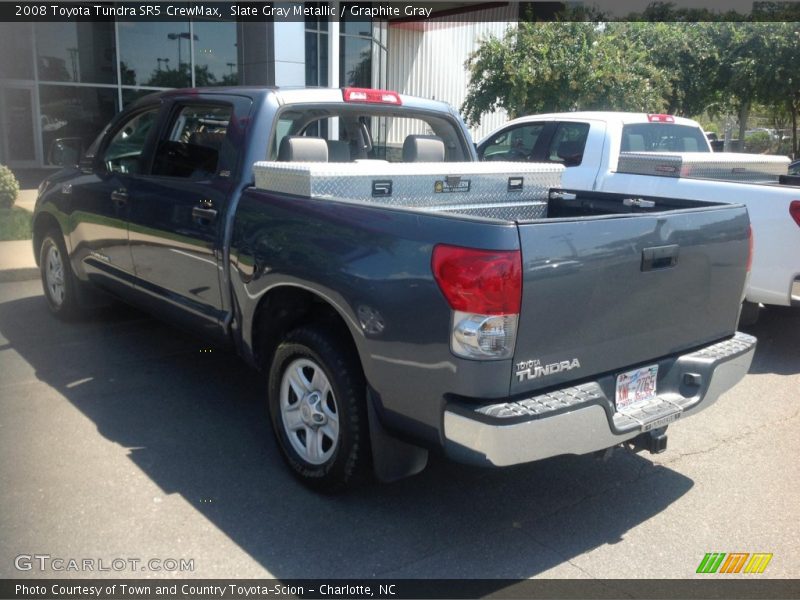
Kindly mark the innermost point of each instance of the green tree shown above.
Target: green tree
(744, 67)
(622, 77)
(561, 66)
(533, 68)
(782, 82)
(686, 55)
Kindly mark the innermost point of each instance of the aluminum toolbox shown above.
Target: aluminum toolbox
(505, 190)
(705, 165)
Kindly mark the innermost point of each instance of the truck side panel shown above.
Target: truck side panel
(373, 266)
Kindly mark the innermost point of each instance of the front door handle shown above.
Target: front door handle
(119, 197)
(204, 213)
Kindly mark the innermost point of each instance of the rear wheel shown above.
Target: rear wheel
(317, 400)
(58, 281)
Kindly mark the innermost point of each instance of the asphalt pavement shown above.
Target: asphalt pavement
(121, 437)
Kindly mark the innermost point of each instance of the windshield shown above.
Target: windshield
(662, 137)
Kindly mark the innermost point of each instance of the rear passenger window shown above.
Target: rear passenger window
(515, 144)
(568, 144)
(194, 143)
(662, 137)
(367, 132)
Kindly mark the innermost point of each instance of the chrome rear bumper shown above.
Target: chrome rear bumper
(582, 419)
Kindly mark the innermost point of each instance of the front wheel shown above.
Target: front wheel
(317, 401)
(60, 285)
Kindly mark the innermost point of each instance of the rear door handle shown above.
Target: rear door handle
(119, 197)
(660, 257)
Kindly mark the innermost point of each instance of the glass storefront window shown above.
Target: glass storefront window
(76, 52)
(215, 54)
(355, 25)
(129, 96)
(316, 58)
(74, 112)
(156, 54)
(356, 61)
(16, 50)
(313, 22)
(16, 111)
(362, 49)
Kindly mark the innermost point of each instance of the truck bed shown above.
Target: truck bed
(609, 280)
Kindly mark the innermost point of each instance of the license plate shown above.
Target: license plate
(636, 387)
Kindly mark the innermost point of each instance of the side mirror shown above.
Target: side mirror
(65, 152)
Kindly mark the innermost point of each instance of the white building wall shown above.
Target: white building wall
(427, 59)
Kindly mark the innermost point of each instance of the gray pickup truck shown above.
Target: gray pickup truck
(399, 296)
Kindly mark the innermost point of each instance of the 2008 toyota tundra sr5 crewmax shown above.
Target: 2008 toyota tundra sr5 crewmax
(399, 295)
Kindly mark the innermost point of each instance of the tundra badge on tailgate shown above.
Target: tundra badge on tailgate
(533, 369)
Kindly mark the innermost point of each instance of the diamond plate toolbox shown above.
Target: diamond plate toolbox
(705, 165)
(505, 190)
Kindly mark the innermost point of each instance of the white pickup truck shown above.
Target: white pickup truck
(662, 155)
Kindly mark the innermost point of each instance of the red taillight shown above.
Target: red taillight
(486, 282)
(367, 95)
(794, 210)
(660, 118)
(750, 247)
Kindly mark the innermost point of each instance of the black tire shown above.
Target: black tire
(782, 311)
(349, 460)
(749, 313)
(63, 299)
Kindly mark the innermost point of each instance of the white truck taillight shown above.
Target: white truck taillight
(484, 289)
(794, 210)
(658, 118)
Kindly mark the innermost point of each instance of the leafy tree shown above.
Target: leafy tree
(561, 66)
(782, 86)
(533, 68)
(622, 77)
(686, 55)
(744, 66)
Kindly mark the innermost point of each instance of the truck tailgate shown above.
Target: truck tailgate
(606, 293)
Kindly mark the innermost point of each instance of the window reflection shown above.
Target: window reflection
(316, 58)
(130, 96)
(155, 54)
(356, 61)
(355, 25)
(17, 119)
(16, 51)
(74, 112)
(77, 52)
(215, 54)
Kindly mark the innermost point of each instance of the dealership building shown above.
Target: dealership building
(67, 79)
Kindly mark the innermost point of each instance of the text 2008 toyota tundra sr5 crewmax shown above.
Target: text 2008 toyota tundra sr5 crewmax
(400, 295)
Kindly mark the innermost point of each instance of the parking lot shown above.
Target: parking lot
(121, 437)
